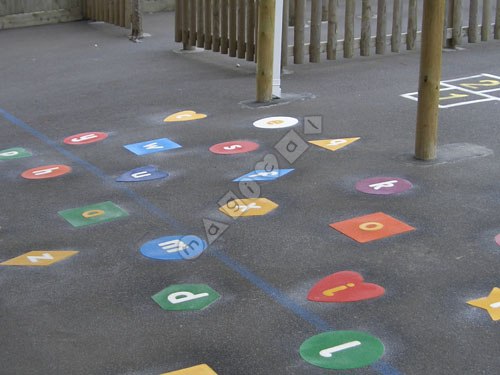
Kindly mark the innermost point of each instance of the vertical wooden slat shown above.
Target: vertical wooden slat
(381, 27)
(324, 11)
(128, 14)
(233, 5)
(291, 13)
(473, 9)
(284, 33)
(397, 21)
(216, 26)
(106, 11)
(83, 7)
(224, 43)
(192, 22)
(208, 24)
(298, 39)
(366, 15)
(250, 50)
(485, 29)
(241, 28)
(331, 43)
(457, 23)
(448, 23)
(178, 21)
(93, 12)
(350, 10)
(111, 12)
(185, 24)
(200, 24)
(497, 21)
(257, 5)
(411, 36)
(117, 12)
(121, 14)
(315, 41)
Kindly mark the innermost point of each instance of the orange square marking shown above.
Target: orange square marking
(371, 227)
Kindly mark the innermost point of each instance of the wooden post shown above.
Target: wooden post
(208, 24)
(241, 28)
(136, 20)
(397, 20)
(350, 10)
(298, 37)
(497, 21)
(411, 36)
(429, 81)
(331, 45)
(265, 48)
(473, 21)
(366, 31)
(200, 25)
(485, 29)
(314, 46)
(216, 24)
(324, 11)
(381, 27)
(233, 39)
(456, 38)
(224, 44)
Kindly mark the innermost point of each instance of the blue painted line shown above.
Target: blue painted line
(275, 294)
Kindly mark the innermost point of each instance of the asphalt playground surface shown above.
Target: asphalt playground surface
(92, 313)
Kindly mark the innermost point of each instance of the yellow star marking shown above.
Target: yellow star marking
(490, 303)
(196, 370)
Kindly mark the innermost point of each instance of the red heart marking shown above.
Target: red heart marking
(344, 286)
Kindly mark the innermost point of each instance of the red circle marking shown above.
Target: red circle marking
(497, 239)
(85, 138)
(234, 147)
(46, 171)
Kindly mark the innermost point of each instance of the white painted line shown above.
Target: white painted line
(469, 102)
(490, 75)
(327, 353)
(463, 78)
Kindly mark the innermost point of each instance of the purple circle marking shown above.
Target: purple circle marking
(383, 185)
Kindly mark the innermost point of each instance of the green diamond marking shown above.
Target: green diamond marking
(186, 297)
(93, 214)
(14, 153)
(342, 350)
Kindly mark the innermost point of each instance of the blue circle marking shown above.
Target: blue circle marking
(174, 248)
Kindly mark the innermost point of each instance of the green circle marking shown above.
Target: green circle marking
(342, 350)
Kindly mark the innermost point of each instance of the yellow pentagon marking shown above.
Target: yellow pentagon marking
(248, 207)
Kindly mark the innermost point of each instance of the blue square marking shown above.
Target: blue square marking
(152, 146)
(262, 175)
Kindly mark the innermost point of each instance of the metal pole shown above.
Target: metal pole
(429, 81)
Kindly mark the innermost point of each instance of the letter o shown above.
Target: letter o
(371, 226)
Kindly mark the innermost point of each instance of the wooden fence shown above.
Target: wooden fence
(116, 12)
(231, 27)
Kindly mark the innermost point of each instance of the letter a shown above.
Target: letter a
(180, 297)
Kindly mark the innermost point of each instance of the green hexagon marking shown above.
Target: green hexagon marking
(186, 297)
(342, 350)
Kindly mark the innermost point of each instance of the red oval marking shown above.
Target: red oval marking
(85, 138)
(234, 147)
(46, 171)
